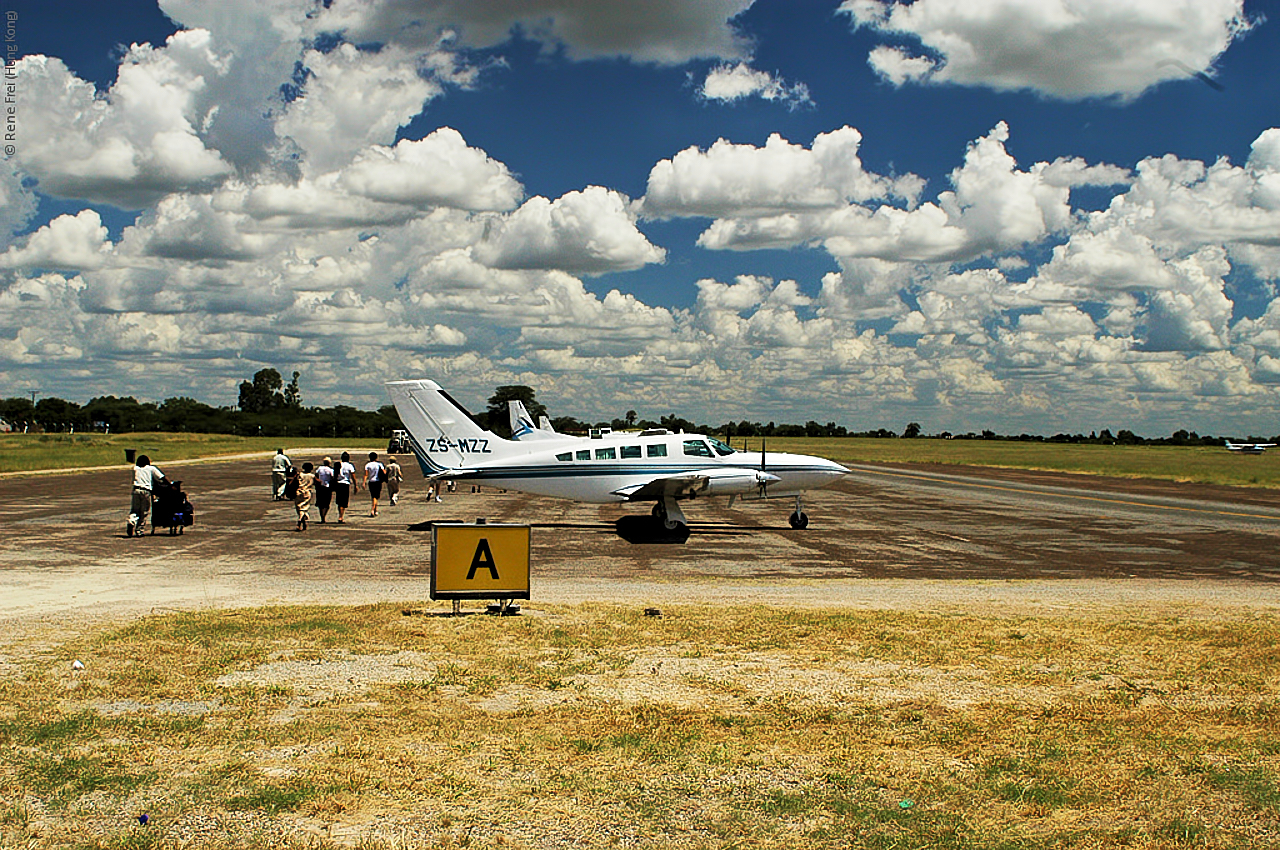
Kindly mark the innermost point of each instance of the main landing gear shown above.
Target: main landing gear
(668, 512)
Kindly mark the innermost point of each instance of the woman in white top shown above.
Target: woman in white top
(374, 474)
(343, 483)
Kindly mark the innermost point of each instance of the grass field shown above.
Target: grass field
(1172, 463)
(28, 452)
(593, 726)
(23, 453)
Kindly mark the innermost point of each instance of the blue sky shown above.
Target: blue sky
(1024, 215)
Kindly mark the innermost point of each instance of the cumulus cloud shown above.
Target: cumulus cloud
(438, 170)
(587, 232)
(134, 144)
(1062, 48)
(731, 83)
(69, 242)
(190, 227)
(353, 98)
(743, 180)
(993, 206)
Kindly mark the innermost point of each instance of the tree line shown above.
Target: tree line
(267, 407)
(270, 406)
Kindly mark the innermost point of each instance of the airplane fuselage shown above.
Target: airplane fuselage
(610, 468)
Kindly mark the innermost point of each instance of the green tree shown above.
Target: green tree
(912, 430)
(292, 395)
(55, 414)
(18, 412)
(264, 393)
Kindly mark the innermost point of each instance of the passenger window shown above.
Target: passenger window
(630, 452)
(565, 456)
(697, 448)
(584, 455)
(606, 454)
(657, 450)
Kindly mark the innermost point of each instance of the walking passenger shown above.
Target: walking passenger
(344, 482)
(324, 486)
(394, 476)
(145, 480)
(374, 474)
(302, 496)
(279, 472)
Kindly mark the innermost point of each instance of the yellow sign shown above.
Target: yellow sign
(479, 561)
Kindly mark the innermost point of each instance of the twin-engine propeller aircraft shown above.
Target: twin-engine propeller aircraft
(650, 466)
(1249, 448)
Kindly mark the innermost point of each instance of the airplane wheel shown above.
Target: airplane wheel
(799, 520)
(673, 525)
(657, 509)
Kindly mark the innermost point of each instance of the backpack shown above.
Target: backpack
(291, 487)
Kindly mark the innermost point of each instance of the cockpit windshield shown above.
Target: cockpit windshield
(721, 448)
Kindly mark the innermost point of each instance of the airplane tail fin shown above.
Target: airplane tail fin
(442, 434)
(522, 427)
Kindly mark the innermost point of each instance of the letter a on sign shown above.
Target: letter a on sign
(483, 560)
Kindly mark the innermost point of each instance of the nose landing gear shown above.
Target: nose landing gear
(799, 519)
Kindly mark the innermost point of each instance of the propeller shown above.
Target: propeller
(763, 477)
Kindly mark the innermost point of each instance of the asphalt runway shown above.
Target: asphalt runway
(64, 547)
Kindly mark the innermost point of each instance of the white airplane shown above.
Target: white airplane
(1249, 448)
(650, 466)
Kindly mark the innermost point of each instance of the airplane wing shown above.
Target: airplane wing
(715, 481)
(684, 484)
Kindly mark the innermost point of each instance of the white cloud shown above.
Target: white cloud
(311, 204)
(439, 170)
(734, 82)
(899, 67)
(69, 242)
(1063, 48)
(743, 180)
(587, 232)
(190, 227)
(351, 99)
(994, 207)
(133, 145)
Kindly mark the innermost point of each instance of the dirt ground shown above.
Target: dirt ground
(904, 538)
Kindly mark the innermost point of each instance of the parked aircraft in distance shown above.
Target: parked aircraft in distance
(1249, 448)
(649, 466)
(522, 427)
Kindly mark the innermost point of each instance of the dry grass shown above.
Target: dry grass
(595, 726)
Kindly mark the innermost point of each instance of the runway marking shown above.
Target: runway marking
(1028, 491)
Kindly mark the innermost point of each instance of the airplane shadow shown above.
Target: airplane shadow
(632, 529)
